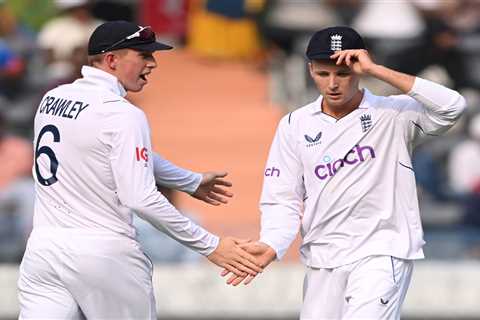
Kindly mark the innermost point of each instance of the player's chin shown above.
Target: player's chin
(137, 87)
(336, 102)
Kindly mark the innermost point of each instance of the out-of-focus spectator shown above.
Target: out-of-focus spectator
(168, 18)
(16, 194)
(287, 23)
(463, 166)
(346, 10)
(19, 38)
(157, 245)
(110, 10)
(17, 47)
(464, 172)
(451, 40)
(11, 69)
(389, 28)
(12, 66)
(64, 39)
(286, 27)
(32, 14)
(224, 29)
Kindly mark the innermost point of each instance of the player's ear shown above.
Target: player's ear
(310, 68)
(111, 60)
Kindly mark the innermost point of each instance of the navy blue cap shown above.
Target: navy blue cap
(114, 35)
(325, 42)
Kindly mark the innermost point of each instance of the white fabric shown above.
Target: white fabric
(169, 175)
(392, 19)
(349, 184)
(64, 34)
(105, 170)
(372, 288)
(93, 169)
(67, 4)
(85, 275)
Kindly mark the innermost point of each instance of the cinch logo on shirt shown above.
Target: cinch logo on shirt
(272, 172)
(141, 153)
(355, 156)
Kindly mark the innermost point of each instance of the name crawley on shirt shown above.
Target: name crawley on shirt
(61, 107)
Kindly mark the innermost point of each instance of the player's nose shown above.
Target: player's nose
(332, 82)
(152, 63)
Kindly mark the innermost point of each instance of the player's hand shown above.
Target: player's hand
(264, 254)
(212, 188)
(230, 256)
(358, 60)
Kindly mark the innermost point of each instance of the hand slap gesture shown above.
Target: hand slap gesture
(230, 256)
(358, 60)
(264, 255)
(212, 188)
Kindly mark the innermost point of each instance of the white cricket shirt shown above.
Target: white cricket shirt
(94, 165)
(348, 184)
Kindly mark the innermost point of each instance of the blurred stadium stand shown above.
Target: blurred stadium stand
(439, 291)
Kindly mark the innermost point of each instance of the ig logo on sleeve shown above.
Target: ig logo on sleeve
(141, 154)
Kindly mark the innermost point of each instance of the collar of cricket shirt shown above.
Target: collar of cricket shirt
(104, 79)
(316, 106)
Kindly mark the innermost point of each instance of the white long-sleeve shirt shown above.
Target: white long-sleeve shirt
(171, 176)
(94, 165)
(348, 184)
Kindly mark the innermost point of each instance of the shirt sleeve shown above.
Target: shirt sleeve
(433, 109)
(132, 166)
(281, 203)
(169, 175)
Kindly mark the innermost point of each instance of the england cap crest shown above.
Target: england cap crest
(325, 42)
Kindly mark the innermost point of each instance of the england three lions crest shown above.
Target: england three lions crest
(336, 42)
(366, 122)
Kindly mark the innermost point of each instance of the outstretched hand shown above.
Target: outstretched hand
(230, 256)
(212, 188)
(358, 60)
(264, 255)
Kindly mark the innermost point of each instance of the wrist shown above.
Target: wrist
(270, 252)
(373, 70)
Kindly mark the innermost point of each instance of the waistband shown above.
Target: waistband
(77, 239)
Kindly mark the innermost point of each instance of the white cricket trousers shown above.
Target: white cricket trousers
(81, 274)
(372, 288)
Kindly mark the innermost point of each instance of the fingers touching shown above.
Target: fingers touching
(230, 256)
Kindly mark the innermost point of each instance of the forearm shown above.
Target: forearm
(170, 176)
(402, 81)
(441, 104)
(163, 216)
(439, 100)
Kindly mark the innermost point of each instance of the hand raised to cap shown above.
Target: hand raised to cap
(358, 60)
(262, 252)
(212, 188)
(230, 256)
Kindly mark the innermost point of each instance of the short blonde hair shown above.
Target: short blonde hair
(98, 58)
(95, 59)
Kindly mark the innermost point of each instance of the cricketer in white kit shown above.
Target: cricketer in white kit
(340, 171)
(94, 167)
